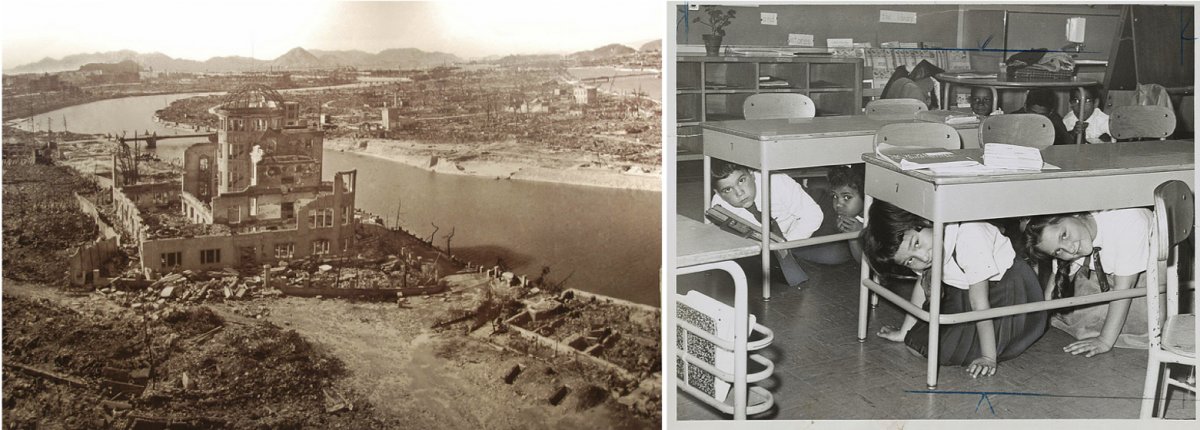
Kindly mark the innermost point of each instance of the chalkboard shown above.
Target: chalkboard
(1154, 44)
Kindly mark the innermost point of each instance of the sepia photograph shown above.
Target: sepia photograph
(929, 212)
(321, 214)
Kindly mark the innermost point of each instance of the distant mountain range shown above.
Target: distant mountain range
(299, 59)
(295, 59)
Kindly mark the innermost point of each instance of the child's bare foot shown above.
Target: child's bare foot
(891, 333)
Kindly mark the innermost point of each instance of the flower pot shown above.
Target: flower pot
(712, 44)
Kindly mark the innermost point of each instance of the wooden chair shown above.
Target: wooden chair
(1136, 122)
(927, 134)
(778, 106)
(1023, 129)
(1172, 336)
(894, 109)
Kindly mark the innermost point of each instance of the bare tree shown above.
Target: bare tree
(448, 236)
(435, 230)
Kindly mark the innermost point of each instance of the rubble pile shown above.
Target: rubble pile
(188, 369)
(42, 221)
(623, 335)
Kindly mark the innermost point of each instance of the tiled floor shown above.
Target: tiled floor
(822, 372)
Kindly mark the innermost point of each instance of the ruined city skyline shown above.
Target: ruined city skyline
(36, 31)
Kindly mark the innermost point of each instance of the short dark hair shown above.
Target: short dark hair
(1092, 93)
(1033, 233)
(721, 169)
(848, 175)
(881, 237)
(1041, 97)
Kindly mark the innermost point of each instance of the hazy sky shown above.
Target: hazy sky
(198, 30)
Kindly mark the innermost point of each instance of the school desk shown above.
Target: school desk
(1092, 177)
(949, 80)
(701, 247)
(778, 144)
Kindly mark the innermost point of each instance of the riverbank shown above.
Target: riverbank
(509, 161)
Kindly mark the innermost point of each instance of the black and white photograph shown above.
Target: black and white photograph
(322, 214)
(929, 212)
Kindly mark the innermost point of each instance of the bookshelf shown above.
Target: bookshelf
(714, 88)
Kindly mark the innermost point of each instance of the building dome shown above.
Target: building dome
(253, 96)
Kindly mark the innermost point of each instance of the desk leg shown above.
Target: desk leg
(766, 232)
(863, 274)
(707, 187)
(935, 302)
(995, 103)
(945, 90)
(1079, 114)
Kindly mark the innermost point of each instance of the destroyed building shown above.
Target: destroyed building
(254, 196)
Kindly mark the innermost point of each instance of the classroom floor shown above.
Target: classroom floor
(822, 372)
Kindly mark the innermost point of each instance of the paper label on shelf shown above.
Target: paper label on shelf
(800, 39)
(839, 43)
(897, 16)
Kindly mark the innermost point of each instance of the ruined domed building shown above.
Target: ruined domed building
(256, 195)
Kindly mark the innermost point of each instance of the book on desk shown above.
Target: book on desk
(919, 157)
(948, 117)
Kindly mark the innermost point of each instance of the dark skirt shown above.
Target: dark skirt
(959, 343)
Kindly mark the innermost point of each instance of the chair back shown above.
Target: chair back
(895, 109)
(1022, 129)
(1136, 122)
(926, 134)
(778, 106)
(1174, 220)
(1187, 107)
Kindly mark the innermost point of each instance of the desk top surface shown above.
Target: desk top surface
(806, 128)
(1075, 83)
(1120, 158)
(699, 243)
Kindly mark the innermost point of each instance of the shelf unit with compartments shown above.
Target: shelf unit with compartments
(714, 88)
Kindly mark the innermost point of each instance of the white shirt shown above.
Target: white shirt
(1125, 236)
(792, 208)
(1097, 125)
(975, 252)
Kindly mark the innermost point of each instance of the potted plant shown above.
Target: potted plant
(716, 20)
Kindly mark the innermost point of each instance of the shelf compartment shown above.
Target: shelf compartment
(689, 138)
(688, 77)
(688, 108)
(782, 76)
(835, 102)
(832, 76)
(730, 76)
(724, 106)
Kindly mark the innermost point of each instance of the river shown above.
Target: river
(606, 240)
(623, 81)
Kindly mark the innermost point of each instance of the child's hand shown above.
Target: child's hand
(1088, 347)
(982, 366)
(848, 224)
(1080, 126)
(891, 333)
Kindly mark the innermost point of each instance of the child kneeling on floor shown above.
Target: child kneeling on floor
(981, 270)
(1074, 242)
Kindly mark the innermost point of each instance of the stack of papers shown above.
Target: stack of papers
(1002, 156)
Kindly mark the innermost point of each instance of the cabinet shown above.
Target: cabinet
(714, 88)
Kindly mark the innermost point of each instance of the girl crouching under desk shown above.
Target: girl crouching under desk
(980, 270)
(1075, 242)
